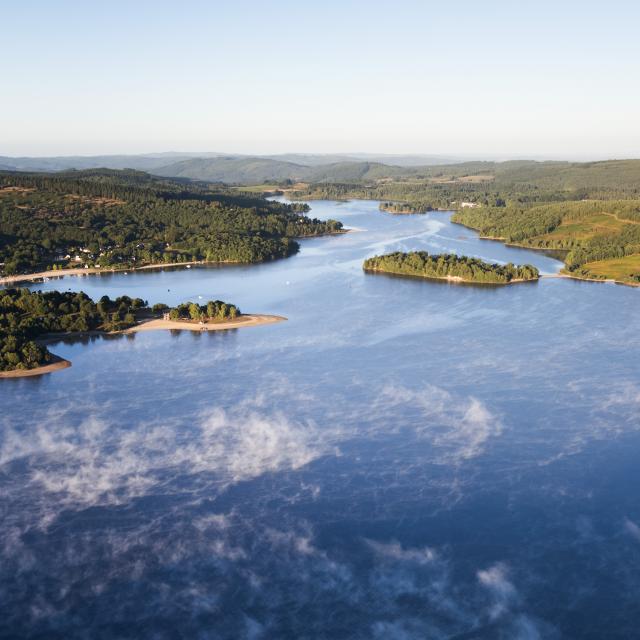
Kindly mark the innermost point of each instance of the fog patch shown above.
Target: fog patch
(461, 427)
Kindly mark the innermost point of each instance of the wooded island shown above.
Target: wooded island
(28, 316)
(449, 267)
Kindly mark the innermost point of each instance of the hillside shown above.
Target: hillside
(117, 219)
(234, 170)
(250, 171)
(143, 162)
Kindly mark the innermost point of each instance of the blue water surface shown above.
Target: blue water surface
(400, 459)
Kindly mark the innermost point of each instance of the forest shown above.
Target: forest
(118, 219)
(449, 266)
(26, 316)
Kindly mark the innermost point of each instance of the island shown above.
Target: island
(451, 267)
(404, 207)
(29, 319)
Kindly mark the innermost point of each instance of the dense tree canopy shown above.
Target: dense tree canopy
(424, 265)
(114, 218)
(25, 316)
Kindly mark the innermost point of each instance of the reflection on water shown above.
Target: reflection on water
(401, 459)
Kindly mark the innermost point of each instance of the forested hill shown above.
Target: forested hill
(112, 218)
(418, 175)
(233, 170)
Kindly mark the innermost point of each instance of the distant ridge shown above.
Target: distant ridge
(233, 168)
(329, 168)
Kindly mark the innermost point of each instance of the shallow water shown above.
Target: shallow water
(400, 459)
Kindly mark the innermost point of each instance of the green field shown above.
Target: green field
(625, 269)
(258, 188)
(571, 232)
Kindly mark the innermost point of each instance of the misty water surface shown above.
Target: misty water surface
(400, 459)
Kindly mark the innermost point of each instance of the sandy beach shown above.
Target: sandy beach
(57, 364)
(245, 320)
(81, 271)
(583, 279)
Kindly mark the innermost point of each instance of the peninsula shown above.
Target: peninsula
(449, 267)
(30, 319)
(101, 220)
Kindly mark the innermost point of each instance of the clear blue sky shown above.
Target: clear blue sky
(468, 77)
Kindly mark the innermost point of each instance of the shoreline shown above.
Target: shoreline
(583, 279)
(57, 363)
(81, 271)
(245, 320)
(155, 324)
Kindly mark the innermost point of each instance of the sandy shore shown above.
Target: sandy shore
(245, 320)
(583, 279)
(26, 277)
(57, 364)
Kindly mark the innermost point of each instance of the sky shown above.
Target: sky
(483, 79)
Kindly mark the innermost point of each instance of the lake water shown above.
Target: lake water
(400, 459)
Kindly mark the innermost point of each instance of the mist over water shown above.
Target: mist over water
(400, 459)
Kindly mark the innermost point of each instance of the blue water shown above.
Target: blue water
(400, 459)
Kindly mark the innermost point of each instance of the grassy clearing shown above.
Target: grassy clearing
(625, 269)
(258, 188)
(572, 232)
(475, 179)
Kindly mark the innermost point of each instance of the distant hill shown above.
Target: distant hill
(62, 163)
(233, 169)
(347, 169)
(356, 172)
(314, 159)
(258, 170)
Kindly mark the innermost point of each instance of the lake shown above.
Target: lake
(400, 459)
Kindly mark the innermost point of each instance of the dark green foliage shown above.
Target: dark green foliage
(404, 207)
(512, 224)
(603, 247)
(26, 316)
(421, 264)
(213, 310)
(127, 218)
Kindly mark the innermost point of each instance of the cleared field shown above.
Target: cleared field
(258, 188)
(12, 190)
(476, 179)
(573, 231)
(623, 269)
